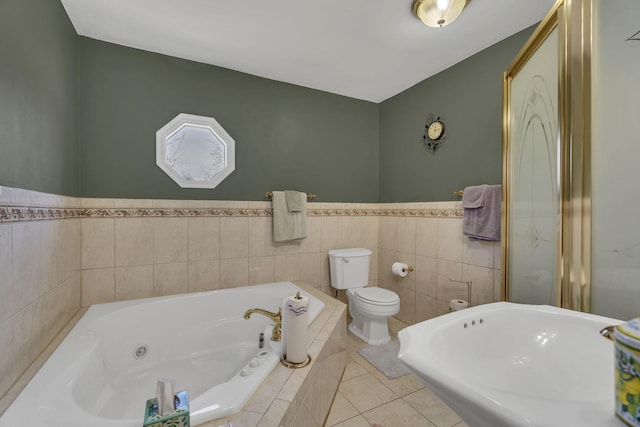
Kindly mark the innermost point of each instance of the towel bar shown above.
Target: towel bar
(269, 194)
(458, 193)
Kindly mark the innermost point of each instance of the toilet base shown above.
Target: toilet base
(372, 331)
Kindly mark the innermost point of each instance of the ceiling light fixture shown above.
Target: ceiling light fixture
(438, 13)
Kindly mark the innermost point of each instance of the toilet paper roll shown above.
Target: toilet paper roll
(295, 324)
(458, 304)
(400, 269)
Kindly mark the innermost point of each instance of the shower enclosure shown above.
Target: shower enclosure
(571, 154)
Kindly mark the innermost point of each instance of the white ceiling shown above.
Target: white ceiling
(365, 49)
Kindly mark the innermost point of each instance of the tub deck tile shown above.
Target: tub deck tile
(268, 390)
(293, 384)
(275, 414)
(220, 422)
(244, 419)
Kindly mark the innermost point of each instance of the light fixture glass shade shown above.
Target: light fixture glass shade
(438, 13)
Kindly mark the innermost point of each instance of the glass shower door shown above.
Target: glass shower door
(532, 170)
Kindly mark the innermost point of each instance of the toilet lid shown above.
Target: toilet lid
(377, 295)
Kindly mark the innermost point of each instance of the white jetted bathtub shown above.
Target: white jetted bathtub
(104, 371)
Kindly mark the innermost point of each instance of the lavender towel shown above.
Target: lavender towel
(473, 197)
(482, 212)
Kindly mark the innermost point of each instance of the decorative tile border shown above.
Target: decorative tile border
(174, 212)
(22, 213)
(429, 213)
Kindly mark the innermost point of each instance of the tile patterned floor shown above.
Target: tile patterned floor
(366, 397)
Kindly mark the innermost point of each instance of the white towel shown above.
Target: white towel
(288, 226)
(296, 201)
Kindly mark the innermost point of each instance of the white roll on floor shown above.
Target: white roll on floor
(458, 304)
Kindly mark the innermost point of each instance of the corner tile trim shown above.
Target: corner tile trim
(25, 213)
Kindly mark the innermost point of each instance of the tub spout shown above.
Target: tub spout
(275, 317)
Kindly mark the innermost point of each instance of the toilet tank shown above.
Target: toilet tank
(349, 267)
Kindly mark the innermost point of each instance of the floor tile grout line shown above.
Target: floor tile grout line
(399, 396)
(393, 392)
(345, 420)
(348, 401)
(391, 401)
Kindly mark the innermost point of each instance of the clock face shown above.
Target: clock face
(435, 130)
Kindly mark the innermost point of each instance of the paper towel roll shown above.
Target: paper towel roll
(400, 269)
(458, 304)
(295, 325)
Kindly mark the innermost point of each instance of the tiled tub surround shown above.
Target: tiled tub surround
(40, 280)
(300, 397)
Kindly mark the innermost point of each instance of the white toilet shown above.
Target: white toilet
(369, 307)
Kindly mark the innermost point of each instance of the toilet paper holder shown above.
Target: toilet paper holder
(468, 283)
(401, 269)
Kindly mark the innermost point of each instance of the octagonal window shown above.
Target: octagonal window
(195, 151)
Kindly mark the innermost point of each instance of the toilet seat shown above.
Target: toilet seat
(376, 296)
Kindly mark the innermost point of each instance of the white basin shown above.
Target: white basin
(506, 364)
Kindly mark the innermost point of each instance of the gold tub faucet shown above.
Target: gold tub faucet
(275, 317)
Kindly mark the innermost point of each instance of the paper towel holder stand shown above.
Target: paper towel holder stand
(292, 365)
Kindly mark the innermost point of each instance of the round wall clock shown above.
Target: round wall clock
(433, 133)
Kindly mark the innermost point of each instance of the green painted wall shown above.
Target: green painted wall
(79, 116)
(287, 137)
(468, 98)
(38, 81)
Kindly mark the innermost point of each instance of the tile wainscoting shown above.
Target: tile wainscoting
(40, 276)
(163, 247)
(442, 258)
(60, 253)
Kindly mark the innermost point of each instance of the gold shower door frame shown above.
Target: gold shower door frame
(572, 19)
